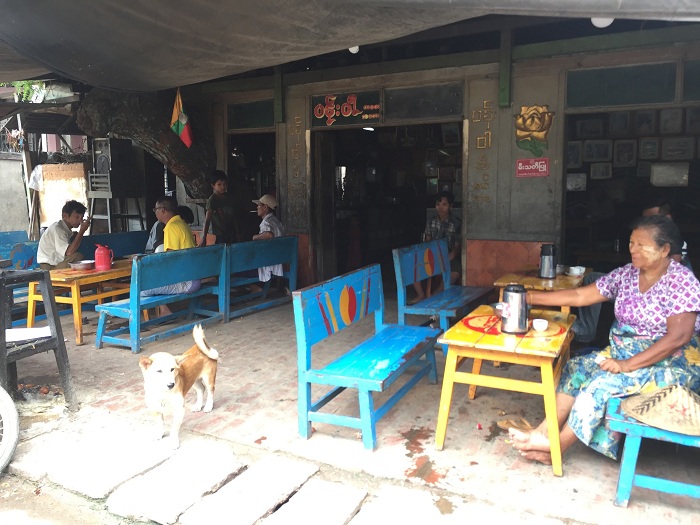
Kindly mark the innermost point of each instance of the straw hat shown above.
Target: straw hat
(674, 408)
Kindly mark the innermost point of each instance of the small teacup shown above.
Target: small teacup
(561, 269)
(576, 270)
(540, 325)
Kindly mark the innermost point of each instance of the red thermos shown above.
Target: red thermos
(103, 258)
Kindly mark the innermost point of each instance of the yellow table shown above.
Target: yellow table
(82, 286)
(531, 280)
(479, 336)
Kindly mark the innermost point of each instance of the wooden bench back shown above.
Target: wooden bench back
(252, 255)
(122, 243)
(22, 254)
(161, 269)
(420, 261)
(327, 308)
(13, 237)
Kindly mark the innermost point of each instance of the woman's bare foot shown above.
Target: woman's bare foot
(535, 440)
(536, 455)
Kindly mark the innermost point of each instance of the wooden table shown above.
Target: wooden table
(479, 336)
(82, 286)
(531, 280)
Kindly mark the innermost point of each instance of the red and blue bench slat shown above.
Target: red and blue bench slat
(418, 262)
(161, 269)
(373, 365)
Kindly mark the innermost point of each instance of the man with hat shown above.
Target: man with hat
(270, 227)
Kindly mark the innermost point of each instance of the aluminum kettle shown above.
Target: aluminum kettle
(514, 310)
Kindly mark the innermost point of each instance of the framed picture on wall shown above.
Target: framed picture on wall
(644, 170)
(575, 182)
(692, 120)
(645, 122)
(574, 154)
(625, 153)
(677, 148)
(670, 121)
(620, 124)
(597, 150)
(450, 135)
(589, 128)
(649, 148)
(601, 170)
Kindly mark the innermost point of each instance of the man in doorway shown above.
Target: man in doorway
(176, 236)
(443, 225)
(56, 247)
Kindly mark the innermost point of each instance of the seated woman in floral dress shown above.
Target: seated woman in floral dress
(653, 343)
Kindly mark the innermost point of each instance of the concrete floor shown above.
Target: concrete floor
(256, 412)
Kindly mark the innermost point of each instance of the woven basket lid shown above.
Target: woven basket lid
(674, 408)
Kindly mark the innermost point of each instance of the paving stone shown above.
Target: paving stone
(253, 494)
(199, 467)
(319, 501)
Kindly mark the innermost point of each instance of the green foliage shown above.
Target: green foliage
(25, 88)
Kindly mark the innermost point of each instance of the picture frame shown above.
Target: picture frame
(678, 148)
(575, 182)
(597, 150)
(601, 170)
(670, 175)
(589, 128)
(692, 120)
(625, 153)
(574, 154)
(431, 186)
(619, 124)
(671, 121)
(649, 148)
(450, 135)
(645, 122)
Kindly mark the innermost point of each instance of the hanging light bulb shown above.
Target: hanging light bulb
(354, 49)
(600, 23)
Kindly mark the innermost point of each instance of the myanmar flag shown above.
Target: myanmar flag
(180, 123)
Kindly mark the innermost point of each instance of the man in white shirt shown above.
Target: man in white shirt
(56, 248)
(270, 227)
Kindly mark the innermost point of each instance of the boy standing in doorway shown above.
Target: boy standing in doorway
(220, 212)
(443, 225)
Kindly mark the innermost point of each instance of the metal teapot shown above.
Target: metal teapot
(103, 258)
(514, 310)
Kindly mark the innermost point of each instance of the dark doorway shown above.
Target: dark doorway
(379, 187)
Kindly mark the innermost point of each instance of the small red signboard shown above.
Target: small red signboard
(532, 167)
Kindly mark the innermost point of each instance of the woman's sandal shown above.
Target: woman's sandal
(519, 423)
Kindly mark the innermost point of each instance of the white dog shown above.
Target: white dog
(168, 378)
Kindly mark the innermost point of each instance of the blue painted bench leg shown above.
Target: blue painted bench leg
(304, 407)
(135, 332)
(432, 375)
(445, 325)
(101, 325)
(368, 420)
(630, 454)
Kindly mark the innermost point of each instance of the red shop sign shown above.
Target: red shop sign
(532, 168)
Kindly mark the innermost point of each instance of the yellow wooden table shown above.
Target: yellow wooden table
(479, 336)
(82, 286)
(531, 280)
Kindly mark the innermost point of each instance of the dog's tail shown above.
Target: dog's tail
(198, 335)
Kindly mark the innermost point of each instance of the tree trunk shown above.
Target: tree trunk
(145, 119)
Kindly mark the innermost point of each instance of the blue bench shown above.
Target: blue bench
(121, 244)
(244, 258)
(13, 237)
(617, 420)
(161, 269)
(372, 366)
(418, 262)
(22, 255)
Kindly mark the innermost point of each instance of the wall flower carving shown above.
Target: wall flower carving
(531, 128)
